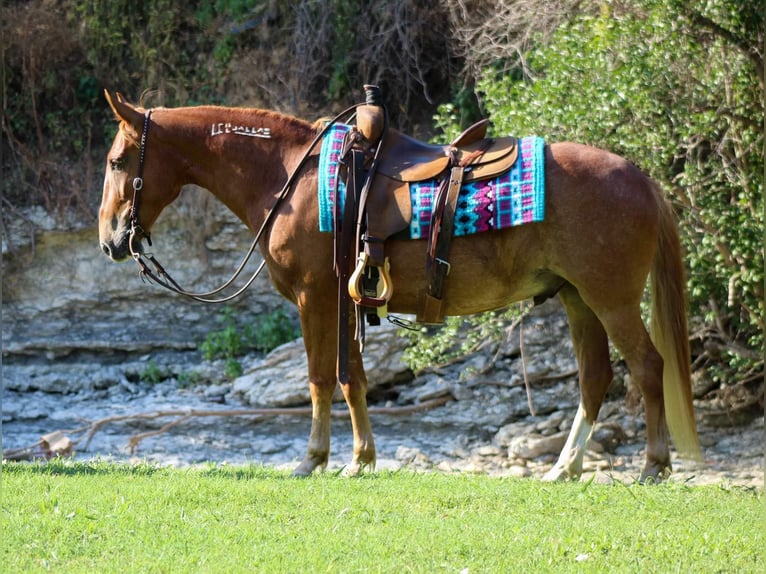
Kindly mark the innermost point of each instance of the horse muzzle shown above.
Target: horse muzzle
(120, 249)
(114, 252)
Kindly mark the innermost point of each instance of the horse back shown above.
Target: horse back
(599, 234)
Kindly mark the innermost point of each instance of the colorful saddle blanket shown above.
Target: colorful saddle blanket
(513, 198)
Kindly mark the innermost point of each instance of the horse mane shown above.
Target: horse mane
(285, 125)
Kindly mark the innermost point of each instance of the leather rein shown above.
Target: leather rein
(150, 270)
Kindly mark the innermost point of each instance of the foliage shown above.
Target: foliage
(459, 336)
(274, 329)
(187, 379)
(297, 57)
(153, 373)
(237, 337)
(92, 517)
(676, 88)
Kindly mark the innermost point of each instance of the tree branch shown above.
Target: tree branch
(46, 449)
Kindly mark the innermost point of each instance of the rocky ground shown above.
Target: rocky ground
(484, 426)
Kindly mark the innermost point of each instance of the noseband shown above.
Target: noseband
(149, 269)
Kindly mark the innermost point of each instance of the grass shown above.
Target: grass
(99, 517)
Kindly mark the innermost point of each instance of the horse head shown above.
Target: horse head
(137, 183)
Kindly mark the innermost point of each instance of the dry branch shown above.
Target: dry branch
(63, 442)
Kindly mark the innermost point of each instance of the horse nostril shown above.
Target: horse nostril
(106, 250)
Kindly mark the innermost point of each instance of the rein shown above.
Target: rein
(158, 274)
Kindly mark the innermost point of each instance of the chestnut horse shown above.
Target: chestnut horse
(607, 227)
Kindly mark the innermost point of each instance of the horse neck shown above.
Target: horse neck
(243, 156)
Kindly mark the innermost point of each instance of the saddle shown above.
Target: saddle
(381, 163)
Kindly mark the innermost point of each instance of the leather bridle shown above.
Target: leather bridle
(149, 269)
(138, 185)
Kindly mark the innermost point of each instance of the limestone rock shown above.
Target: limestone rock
(281, 379)
(534, 446)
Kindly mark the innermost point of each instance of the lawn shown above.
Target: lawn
(100, 517)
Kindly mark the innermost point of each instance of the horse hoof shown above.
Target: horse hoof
(358, 469)
(654, 473)
(306, 467)
(300, 473)
(560, 474)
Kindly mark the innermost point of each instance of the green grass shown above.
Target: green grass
(99, 517)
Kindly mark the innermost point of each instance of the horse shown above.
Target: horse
(607, 230)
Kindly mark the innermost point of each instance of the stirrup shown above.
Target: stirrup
(356, 291)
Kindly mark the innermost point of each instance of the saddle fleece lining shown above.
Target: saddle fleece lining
(514, 198)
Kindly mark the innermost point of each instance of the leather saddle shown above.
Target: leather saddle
(406, 160)
(385, 162)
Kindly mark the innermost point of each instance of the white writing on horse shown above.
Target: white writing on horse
(222, 128)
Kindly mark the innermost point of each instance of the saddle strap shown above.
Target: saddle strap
(437, 263)
(345, 242)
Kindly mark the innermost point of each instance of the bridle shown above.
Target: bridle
(138, 185)
(150, 270)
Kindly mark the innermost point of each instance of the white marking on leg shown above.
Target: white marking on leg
(569, 464)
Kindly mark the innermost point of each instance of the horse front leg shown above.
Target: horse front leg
(355, 393)
(321, 344)
(320, 350)
(318, 450)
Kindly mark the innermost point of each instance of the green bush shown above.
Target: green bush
(675, 89)
(295, 56)
(236, 338)
(459, 336)
(153, 373)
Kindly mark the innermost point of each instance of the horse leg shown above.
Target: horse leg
(627, 331)
(321, 343)
(318, 451)
(592, 351)
(355, 393)
(320, 352)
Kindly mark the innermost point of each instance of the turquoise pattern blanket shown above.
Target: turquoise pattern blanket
(514, 198)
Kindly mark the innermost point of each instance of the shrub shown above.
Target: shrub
(237, 338)
(677, 90)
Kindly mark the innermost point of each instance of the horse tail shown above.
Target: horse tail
(670, 333)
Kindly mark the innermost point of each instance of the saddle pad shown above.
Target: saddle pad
(329, 156)
(513, 198)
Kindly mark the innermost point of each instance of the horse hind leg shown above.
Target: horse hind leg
(627, 331)
(592, 351)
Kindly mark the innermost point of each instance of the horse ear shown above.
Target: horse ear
(123, 111)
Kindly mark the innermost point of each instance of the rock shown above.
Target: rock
(505, 436)
(430, 386)
(608, 436)
(281, 379)
(81, 335)
(551, 424)
(488, 450)
(534, 446)
(412, 456)
(62, 297)
(518, 471)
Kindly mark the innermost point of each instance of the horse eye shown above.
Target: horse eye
(117, 164)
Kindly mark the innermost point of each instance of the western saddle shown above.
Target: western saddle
(379, 164)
